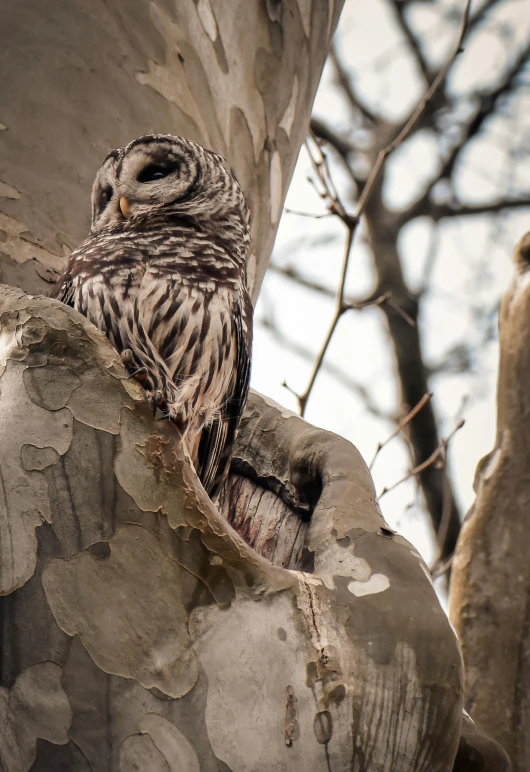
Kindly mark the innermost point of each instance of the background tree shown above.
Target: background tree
(438, 232)
(490, 585)
(138, 630)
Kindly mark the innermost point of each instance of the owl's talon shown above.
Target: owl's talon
(158, 398)
(140, 375)
(127, 357)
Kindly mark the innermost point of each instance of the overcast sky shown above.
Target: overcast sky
(470, 273)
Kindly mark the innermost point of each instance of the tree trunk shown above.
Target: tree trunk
(140, 632)
(490, 588)
(138, 629)
(79, 78)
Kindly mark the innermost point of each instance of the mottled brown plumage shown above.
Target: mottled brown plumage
(162, 274)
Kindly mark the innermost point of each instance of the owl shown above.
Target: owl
(163, 275)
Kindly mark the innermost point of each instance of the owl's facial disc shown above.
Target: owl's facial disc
(160, 178)
(153, 177)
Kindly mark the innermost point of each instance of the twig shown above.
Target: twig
(319, 161)
(414, 45)
(340, 308)
(433, 458)
(335, 205)
(401, 312)
(346, 85)
(401, 425)
(441, 534)
(291, 273)
(416, 115)
(307, 214)
(445, 520)
(439, 570)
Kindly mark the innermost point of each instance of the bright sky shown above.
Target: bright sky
(468, 276)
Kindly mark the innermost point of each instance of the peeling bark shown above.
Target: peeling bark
(138, 628)
(491, 572)
(83, 78)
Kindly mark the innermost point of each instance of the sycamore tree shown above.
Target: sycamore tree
(144, 627)
(414, 351)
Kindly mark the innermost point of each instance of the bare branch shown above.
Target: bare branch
(433, 458)
(335, 372)
(478, 17)
(345, 83)
(335, 205)
(414, 45)
(439, 569)
(374, 298)
(311, 215)
(320, 164)
(407, 128)
(401, 425)
(290, 273)
(488, 102)
(441, 212)
(343, 146)
(340, 308)
(401, 311)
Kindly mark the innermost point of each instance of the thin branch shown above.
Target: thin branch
(290, 273)
(407, 128)
(343, 146)
(335, 205)
(439, 570)
(339, 310)
(441, 212)
(401, 425)
(375, 298)
(364, 394)
(433, 458)
(345, 83)
(401, 311)
(319, 161)
(478, 17)
(372, 301)
(307, 214)
(400, 12)
(488, 102)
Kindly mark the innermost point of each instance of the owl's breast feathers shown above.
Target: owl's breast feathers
(178, 301)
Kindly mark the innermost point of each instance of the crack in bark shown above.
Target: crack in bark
(284, 490)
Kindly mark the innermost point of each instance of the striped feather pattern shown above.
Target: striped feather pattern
(169, 285)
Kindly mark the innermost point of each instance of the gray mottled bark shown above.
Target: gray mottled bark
(491, 572)
(139, 629)
(82, 77)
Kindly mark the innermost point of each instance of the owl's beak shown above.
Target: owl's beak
(124, 206)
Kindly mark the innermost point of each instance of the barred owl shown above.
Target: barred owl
(163, 275)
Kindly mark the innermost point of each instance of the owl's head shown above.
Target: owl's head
(167, 177)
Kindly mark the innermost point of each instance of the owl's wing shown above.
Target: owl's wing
(217, 439)
(63, 289)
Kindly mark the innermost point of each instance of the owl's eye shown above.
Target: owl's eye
(156, 172)
(105, 196)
